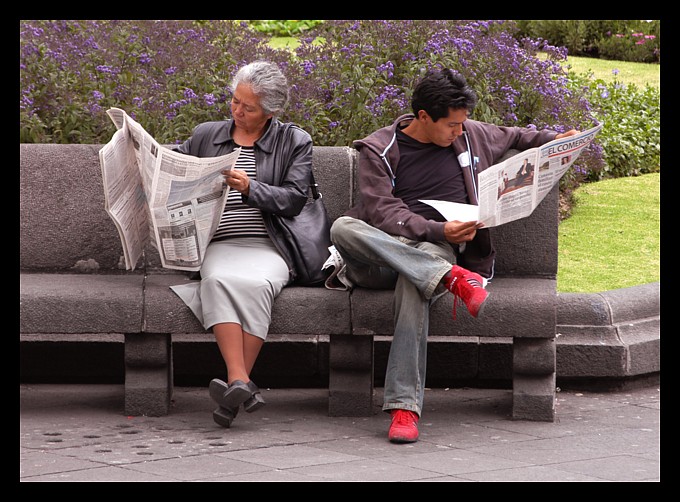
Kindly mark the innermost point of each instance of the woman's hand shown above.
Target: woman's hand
(238, 180)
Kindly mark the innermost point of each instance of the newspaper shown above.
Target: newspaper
(512, 189)
(156, 195)
(338, 271)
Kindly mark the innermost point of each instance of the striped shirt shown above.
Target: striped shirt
(239, 219)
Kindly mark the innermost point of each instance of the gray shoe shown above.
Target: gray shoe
(255, 401)
(224, 416)
(229, 396)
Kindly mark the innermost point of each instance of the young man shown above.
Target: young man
(391, 239)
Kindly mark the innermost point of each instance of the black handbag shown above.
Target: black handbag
(308, 239)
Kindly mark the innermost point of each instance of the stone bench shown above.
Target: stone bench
(73, 283)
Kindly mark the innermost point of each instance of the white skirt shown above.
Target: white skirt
(240, 279)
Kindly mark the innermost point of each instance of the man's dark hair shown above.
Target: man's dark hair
(441, 90)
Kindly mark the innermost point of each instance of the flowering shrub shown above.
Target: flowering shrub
(362, 75)
(636, 46)
(169, 75)
(619, 39)
(347, 78)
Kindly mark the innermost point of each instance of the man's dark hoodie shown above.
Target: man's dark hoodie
(378, 168)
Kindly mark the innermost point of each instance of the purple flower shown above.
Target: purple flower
(387, 68)
(308, 67)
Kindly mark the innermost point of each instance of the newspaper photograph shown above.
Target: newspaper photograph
(512, 189)
(157, 196)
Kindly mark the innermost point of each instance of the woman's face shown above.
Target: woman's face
(246, 110)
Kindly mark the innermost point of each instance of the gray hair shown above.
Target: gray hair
(267, 82)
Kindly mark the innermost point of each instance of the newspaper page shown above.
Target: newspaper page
(156, 195)
(512, 189)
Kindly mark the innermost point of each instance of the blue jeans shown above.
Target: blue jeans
(415, 269)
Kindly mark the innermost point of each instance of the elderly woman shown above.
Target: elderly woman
(246, 264)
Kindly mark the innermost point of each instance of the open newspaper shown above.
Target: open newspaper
(512, 189)
(156, 195)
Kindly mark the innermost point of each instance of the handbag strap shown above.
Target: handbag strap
(315, 187)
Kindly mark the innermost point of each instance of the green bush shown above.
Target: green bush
(622, 40)
(283, 28)
(631, 136)
(632, 46)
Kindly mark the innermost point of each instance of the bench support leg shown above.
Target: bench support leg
(148, 374)
(533, 382)
(350, 376)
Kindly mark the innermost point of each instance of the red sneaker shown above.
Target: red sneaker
(467, 286)
(404, 427)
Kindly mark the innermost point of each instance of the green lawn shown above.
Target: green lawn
(612, 240)
(631, 73)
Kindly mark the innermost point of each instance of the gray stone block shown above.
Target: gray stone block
(495, 358)
(643, 339)
(148, 374)
(76, 303)
(333, 170)
(528, 246)
(164, 311)
(610, 334)
(588, 359)
(62, 220)
(634, 303)
(582, 309)
(148, 350)
(351, 376)
(534, 356)
(516, 307)
(314, 311)
(296, 310)
(447, 361)
(533, 398)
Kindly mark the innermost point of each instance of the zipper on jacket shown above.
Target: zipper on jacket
(383, 156)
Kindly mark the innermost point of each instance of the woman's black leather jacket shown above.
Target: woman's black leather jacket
(283, 159)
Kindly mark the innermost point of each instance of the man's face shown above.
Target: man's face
(444, 131)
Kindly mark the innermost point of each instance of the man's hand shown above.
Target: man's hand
(461, 231)
(567, 134)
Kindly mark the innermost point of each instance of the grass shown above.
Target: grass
(612, 240)
(284, 42)
(639, 74)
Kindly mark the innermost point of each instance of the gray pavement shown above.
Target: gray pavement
(78, 433)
